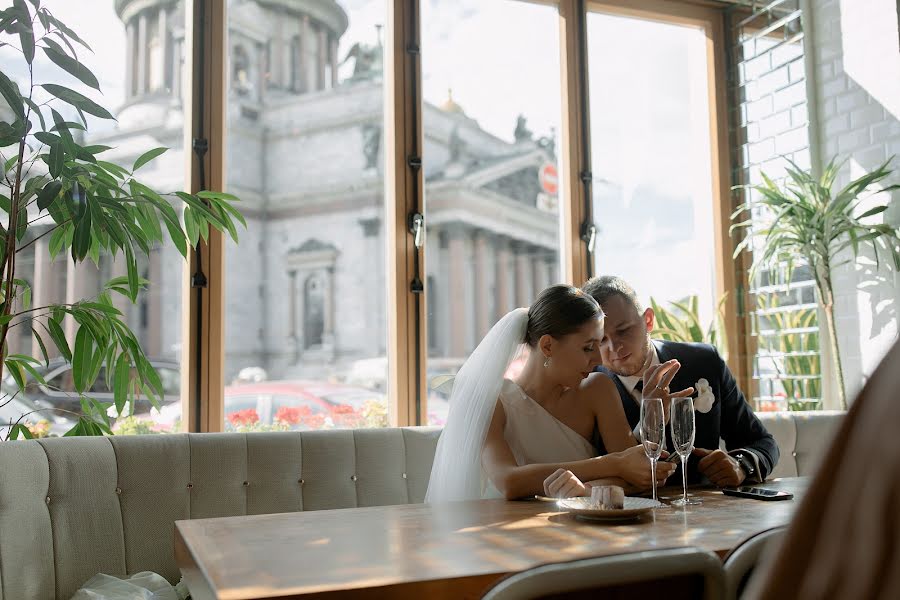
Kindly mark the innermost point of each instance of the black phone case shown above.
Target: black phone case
(742, 494)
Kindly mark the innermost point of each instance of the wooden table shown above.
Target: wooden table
(452, 550)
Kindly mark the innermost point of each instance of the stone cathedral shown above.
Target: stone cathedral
(305, 289)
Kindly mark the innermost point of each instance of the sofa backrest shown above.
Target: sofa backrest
(802, 439)
(74, 507)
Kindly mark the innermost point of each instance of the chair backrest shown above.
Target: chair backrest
(744, 558)
(619, 572)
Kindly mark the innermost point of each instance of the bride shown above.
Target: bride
(537, 434)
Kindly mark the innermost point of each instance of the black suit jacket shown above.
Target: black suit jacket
(730, 418)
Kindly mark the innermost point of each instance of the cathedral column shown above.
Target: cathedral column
(504, 270)
(142, 42)
(541, 272)
(304, 75)
(524, 275)
(176, 68)
(328, 337)
(333, 59)
(46, 287)
(456, 292)
(374, 281)
(130, 47)
(163, 33)
(293, 336)
(118, 268)
(322, 42)
(82, 283)
(261, 71)
(553, 269)
(154, 301)
(484, 269)
(276, 54)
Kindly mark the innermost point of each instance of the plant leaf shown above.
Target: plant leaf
(48, 194)
(146, 157)
(77, 100)
(10, 92)
(40, 341)
(26, 33)
(59, 339)
(82, 358)
(72, 67)
(67, 31)
(121, 380)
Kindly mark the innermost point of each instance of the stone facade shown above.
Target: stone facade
(306, 286)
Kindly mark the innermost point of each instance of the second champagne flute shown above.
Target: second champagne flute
(653, 432)
(683, 431)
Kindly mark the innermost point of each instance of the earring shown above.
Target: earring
(547, 363)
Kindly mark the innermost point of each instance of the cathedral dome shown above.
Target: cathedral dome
(449, 105)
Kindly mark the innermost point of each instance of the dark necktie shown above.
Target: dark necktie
(639, 387)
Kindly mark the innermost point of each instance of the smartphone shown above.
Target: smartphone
(757, 493)
(673, 458)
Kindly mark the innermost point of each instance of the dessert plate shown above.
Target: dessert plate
(583, 508)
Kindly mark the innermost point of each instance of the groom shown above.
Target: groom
(721, 410)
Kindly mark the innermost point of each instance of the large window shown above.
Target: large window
(491, 116)
(651, 160)
(305, 320)
(137, 58)
(325, 289)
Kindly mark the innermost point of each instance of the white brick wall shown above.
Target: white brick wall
(857, 69)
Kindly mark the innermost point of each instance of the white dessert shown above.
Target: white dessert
(608, 497)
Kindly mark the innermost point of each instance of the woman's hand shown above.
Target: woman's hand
(563, 484)
(634, 467)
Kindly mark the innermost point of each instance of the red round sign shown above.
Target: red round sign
(549, 178)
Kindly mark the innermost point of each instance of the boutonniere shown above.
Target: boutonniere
(705, 399)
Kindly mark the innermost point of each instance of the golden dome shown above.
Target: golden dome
(450, 106)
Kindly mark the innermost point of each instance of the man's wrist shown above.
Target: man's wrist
(747, 464)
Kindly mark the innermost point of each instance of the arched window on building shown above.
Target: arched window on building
(240, 70)
(313, 310)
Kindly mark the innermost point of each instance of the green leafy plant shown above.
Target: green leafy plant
(681, 323)
(814, 224)
(796, 338)
(95, 208)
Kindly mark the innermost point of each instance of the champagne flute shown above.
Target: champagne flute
(653, 432)
(683, 431)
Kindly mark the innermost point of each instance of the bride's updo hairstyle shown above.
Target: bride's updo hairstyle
(558, 311)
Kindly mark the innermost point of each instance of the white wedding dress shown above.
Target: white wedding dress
(534, 435)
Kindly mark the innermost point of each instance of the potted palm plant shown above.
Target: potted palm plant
(94, 208)
(811, 222)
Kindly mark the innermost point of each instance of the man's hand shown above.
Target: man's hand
(563, 484)
(720, 468)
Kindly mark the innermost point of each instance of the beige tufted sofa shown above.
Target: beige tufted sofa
(71, 508)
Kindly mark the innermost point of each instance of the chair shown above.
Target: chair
(698, 570)
(743, 559)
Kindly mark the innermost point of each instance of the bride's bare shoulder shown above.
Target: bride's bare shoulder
(598, 388)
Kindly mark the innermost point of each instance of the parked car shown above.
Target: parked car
(59, 392)
(12, 408)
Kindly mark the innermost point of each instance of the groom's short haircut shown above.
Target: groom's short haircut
(603, 287)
